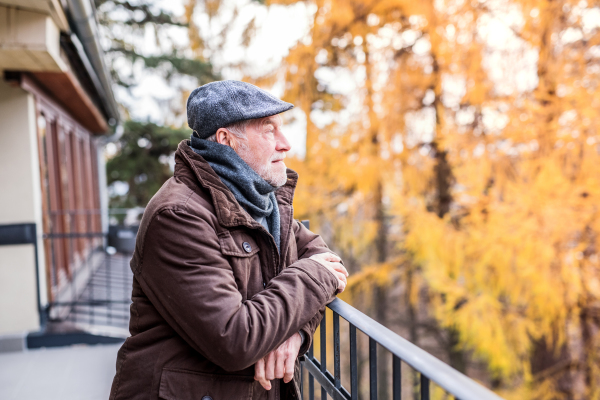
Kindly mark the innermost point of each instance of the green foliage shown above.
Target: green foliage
(140, 14)
(128, 22)
(145, 150)
(142, 161)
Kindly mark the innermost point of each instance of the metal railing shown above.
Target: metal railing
(89, 279)
(105, 297)
(97, 297)
(429, 367)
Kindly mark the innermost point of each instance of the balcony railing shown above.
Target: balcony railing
(103, 300)
(429, 367)
(88, 275)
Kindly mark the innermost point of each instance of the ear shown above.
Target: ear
(225, 137)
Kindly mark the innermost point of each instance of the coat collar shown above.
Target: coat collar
(228, 210)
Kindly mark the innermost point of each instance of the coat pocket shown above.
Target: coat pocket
(178, 384)
(237, 244)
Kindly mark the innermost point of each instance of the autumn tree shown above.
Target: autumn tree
(461, 165)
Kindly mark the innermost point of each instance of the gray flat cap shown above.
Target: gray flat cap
(219, 104)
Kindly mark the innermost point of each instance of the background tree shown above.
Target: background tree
(141, 39)
(452, 152)
(142, 162)
(462, 146)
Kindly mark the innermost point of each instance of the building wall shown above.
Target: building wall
(20, 202)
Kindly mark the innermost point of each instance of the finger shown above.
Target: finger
(342, 287)
(266, 384)
(342, 282)
(290, 365)
(279, 362)
(259, 369)
(332, 257)
(340, 268)
(341, 277)
(334, 264)
(259, 374)
(270, 366)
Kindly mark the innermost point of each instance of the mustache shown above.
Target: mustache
(278, 157)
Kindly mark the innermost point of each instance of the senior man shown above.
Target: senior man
(228, 288)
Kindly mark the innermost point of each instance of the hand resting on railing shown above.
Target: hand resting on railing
(279, 363)
(334, 265)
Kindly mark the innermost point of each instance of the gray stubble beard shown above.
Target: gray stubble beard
(265, 172)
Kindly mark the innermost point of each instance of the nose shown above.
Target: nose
(281, 142)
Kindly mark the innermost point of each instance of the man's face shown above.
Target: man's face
(264, 149)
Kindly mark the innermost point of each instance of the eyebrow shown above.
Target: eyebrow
(269, 121)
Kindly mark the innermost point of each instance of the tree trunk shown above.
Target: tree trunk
(412, 329)
(381, 243)
(457, 357)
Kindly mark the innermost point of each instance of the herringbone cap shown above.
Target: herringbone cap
(219, 104)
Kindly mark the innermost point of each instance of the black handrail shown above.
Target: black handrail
(430, 368)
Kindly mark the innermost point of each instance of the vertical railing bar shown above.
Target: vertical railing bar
(311, 378)
(424, 387)
(301, 382)
(106, 265)
(353, 364)
(71, 267)
(372, 369)
(323, 360)
(126, 270)
(397, 378)
(336, 351)
(88, 266)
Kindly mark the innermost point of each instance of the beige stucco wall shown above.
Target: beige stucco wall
(18, 301)
(20, 202)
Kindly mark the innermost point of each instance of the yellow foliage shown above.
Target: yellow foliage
(476, 159)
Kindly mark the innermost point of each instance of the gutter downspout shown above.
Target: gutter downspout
(83, 16)
(89, 69)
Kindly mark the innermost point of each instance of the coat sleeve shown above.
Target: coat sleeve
(191, 284)
(309, 244)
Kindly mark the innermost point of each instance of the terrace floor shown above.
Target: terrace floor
(66, 373)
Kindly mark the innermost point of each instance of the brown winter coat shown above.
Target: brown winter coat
(211, 293)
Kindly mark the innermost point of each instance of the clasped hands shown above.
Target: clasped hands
(280, 363)
(334, 264)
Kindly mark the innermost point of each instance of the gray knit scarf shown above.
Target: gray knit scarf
(250, 190)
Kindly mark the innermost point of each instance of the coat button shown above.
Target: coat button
(247, 247)
(207, 398)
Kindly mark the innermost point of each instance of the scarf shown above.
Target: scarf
(250, 190)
